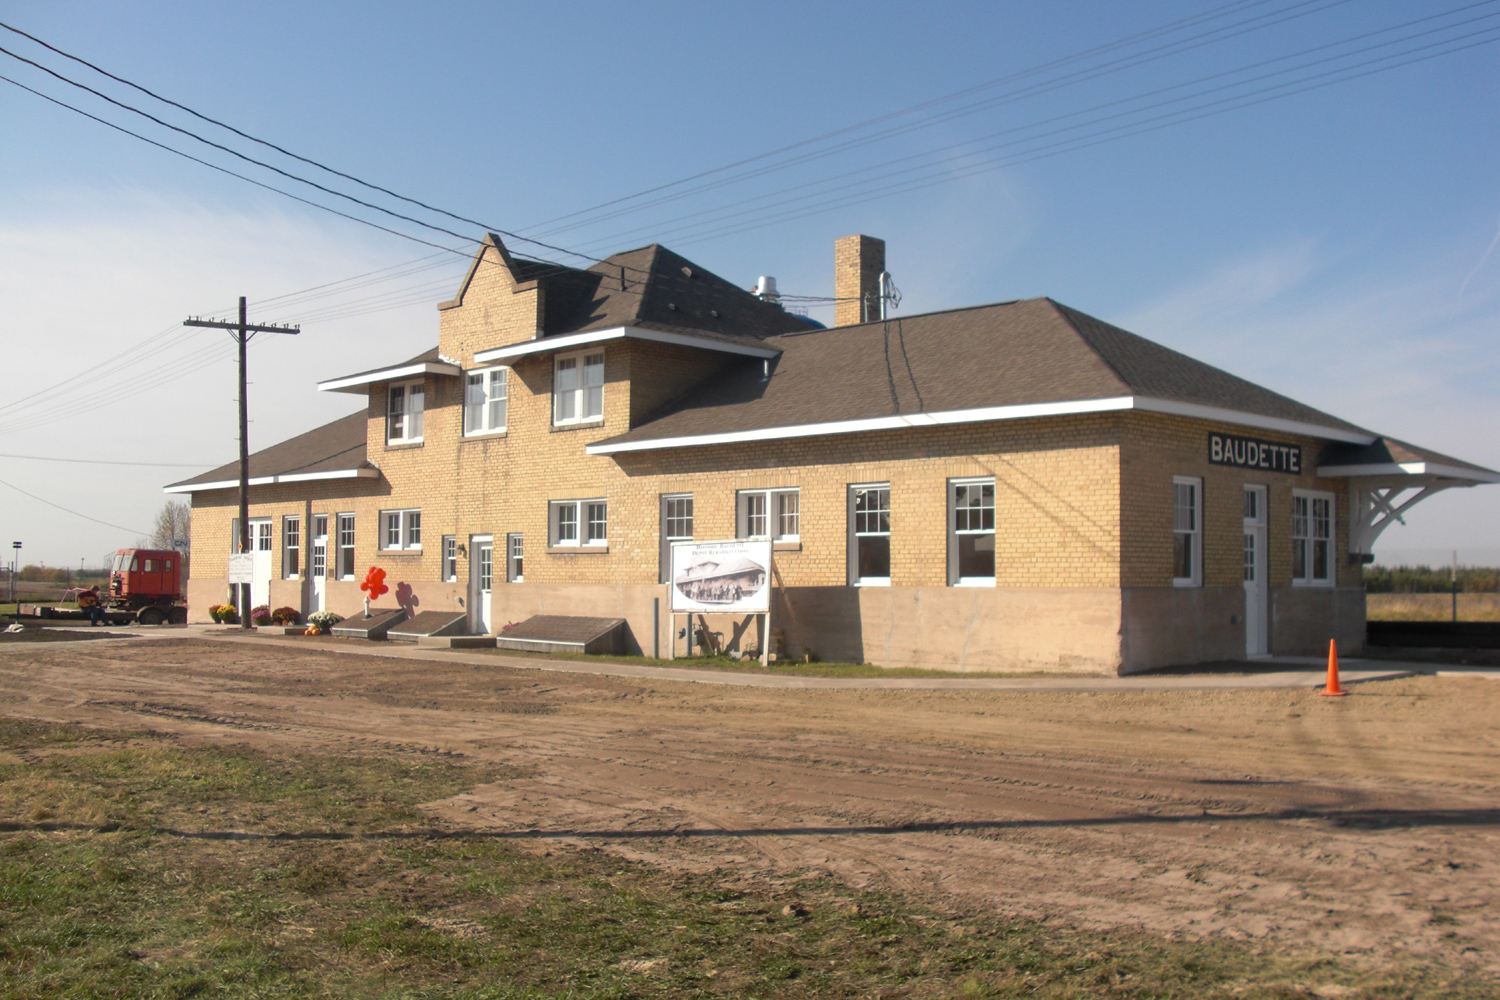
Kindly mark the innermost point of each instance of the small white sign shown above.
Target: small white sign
(730, 576)
(242, 567)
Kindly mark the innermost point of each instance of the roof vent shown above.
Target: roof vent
(765, 289)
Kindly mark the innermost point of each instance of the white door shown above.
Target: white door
(318, 565)
(1257, 640)
(481, 579)
(260, 545)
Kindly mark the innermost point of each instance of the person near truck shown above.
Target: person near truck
(89, 602)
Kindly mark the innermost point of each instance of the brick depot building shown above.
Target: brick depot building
(1009, 486)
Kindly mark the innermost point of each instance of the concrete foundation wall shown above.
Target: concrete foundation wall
(1172, 626)
(1303, 619)
(1069, 630)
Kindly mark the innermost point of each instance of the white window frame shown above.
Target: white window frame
(1194, 532)
(1311, 497)
(855, 534)
(313, 569)
(341, 547)
(403, 422)
(450, 559)
(582, 398)
(401, 530)
(580, 516)
(672, 516)
(515, 558)
(955, 532)
(291, 546)
(480, 416)
(771, 504)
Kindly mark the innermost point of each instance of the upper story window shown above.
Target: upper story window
(484, 401)
(578, 388)
(403, 413)
(400, 529)
(773, 514)
(1312, 538)
(1187, 531)
(971, 532)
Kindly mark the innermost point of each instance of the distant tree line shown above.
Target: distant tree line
(1430, 579)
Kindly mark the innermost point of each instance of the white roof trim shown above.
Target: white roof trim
(986, 413)
(1408, 469)
(543, 344)
(871, 424)
(1243, 419)
(356, 382)
(293, 477)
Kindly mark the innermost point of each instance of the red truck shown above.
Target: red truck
(145, 586)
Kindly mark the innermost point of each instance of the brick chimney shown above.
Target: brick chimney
(857, 264)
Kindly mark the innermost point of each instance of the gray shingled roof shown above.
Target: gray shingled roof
(1007, 354)
(1389, 451)
(334, 447)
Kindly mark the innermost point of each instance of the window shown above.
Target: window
(150, 566)
(578, 388)
(676, 526)
(345, 565)
(450, 559)
(400, 529)
(579, 523)
(319, 564)
(403, 415)
(870, 535)
(971, 532)
(773, 514)
(291, 547)
(1312, 538)
(1187, 531)
(262, 531)
(514, 555)
(484, 402)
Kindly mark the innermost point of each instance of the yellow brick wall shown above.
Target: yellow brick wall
(1156, 447)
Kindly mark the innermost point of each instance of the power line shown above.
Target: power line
(69, 510)
(105, 461)
(840, 180)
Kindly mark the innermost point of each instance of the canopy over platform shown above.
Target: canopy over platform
(1388, 476)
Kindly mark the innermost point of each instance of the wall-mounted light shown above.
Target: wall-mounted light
(463, 550)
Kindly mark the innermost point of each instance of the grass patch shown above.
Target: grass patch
(118, 879)
(793, 668)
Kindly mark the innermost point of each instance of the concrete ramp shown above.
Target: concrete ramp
(357, 626)
(565, 634)
(429, 623)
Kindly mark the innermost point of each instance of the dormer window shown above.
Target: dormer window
(403, 414)
(578, 388)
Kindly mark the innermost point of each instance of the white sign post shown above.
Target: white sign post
(728, 577)
(242, 567)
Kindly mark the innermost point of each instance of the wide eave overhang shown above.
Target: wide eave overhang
(365, 472)
(361, 381)
(563, 342)
(984, 414)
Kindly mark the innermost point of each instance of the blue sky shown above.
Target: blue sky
(1333, 244)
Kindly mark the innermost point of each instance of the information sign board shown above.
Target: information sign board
(733, 577)
(242, 567)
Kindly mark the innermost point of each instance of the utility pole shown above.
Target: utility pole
(242, 332)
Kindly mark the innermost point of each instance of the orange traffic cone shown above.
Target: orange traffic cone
(1333, 690)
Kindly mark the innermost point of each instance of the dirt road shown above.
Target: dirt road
(1364, 826)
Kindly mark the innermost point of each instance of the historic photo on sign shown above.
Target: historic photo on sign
(732, 576)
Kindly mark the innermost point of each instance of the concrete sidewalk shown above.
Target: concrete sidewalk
(1299, 672)
(1273, 672)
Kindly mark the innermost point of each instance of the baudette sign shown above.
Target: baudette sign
(1248, 453)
